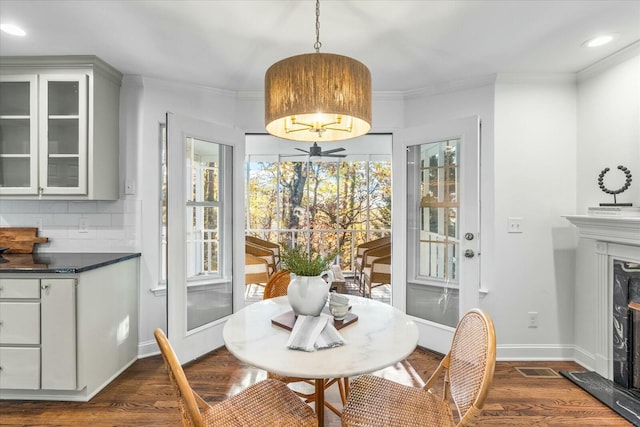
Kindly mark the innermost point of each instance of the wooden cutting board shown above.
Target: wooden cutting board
(20, 240)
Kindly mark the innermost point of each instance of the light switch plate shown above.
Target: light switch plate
(515, 225)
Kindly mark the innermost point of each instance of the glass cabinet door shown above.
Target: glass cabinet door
(18, 135)
(63, 134)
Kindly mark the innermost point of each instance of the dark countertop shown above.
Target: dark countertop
(63, 262)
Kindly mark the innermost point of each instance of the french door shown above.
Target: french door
(203, 193)
(436, 187)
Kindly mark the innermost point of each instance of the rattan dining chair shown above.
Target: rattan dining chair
(276, 287)
(268, 402)
(468, 373)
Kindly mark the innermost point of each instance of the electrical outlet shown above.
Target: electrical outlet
(515, 225)
(533, 319)
(83, 225)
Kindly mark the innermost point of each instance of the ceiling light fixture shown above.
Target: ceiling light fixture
(600, 40)
(317, 96)
(12, 29)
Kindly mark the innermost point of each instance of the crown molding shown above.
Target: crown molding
(453, 86)
(536, 78)
(610, 61)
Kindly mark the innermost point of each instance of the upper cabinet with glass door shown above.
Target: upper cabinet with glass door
(59, 131)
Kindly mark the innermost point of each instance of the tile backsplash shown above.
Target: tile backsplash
(78, 226)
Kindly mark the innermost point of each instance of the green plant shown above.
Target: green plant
(301, 263)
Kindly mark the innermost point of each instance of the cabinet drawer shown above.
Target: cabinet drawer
(20, 368)
(19, 288)
(19, 322)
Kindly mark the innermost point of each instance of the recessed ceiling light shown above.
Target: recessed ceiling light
(600, 40)
(12, 29)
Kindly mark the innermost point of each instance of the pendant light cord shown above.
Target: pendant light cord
(317, 45)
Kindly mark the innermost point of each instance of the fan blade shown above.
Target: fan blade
(333, 150)
(300, 149)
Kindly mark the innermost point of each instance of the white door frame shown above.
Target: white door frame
(433, 335)
(189, 345)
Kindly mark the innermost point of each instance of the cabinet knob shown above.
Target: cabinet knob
(44, 287)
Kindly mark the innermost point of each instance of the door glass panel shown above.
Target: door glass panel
(433, 245)
(208, 266)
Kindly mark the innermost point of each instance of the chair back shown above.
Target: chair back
(374, 253)
(472, 361)
(261, 252)
(188, 406)
(256, 270)
(277, 285)
(372, 244)
(380, 271)
(274, 247)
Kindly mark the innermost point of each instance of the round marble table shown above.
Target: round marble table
(381, 336)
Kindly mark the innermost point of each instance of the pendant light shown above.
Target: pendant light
(318, 96)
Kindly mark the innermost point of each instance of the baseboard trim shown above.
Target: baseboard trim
(533, 352)
(148, 349)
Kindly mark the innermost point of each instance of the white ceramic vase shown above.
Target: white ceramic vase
(308, 294)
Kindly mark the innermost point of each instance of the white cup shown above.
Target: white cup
(339, 311)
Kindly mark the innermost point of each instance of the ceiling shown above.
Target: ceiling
(407, 45)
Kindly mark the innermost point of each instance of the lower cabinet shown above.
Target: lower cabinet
(20, 368)
(66, 338)
(37, 333)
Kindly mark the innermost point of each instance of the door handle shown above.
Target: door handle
(469, 253)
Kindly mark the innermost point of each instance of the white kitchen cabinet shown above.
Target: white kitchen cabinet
(69, 331)
(58, 354)
(59, 130)
(37, 322)
(20, 368)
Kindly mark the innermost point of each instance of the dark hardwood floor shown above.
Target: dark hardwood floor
(142, 395)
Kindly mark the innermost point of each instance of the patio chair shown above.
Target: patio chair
(378, 274)
(276, 287)
(261, 252)
(368, 257)
(361, 248)
(273, 247)
(267, 402)
(468, 373)
(256, 270)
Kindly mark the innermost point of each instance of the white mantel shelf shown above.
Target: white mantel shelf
(624, 230)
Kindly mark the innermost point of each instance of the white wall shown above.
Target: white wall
(608, 101)
(159, 97)
(609, 128)
(535, 179)
(528, 143)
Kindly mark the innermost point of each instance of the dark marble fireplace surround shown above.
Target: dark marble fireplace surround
(626, 324)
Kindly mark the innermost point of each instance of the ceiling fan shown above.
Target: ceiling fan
(316, 151)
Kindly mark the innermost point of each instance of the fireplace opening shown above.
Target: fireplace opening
(626, 324)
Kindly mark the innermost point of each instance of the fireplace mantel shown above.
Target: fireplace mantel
(613, 238)
(625, 230)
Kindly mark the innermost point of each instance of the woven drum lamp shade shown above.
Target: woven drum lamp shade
(318, 97)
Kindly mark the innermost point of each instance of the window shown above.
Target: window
(326, 205)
